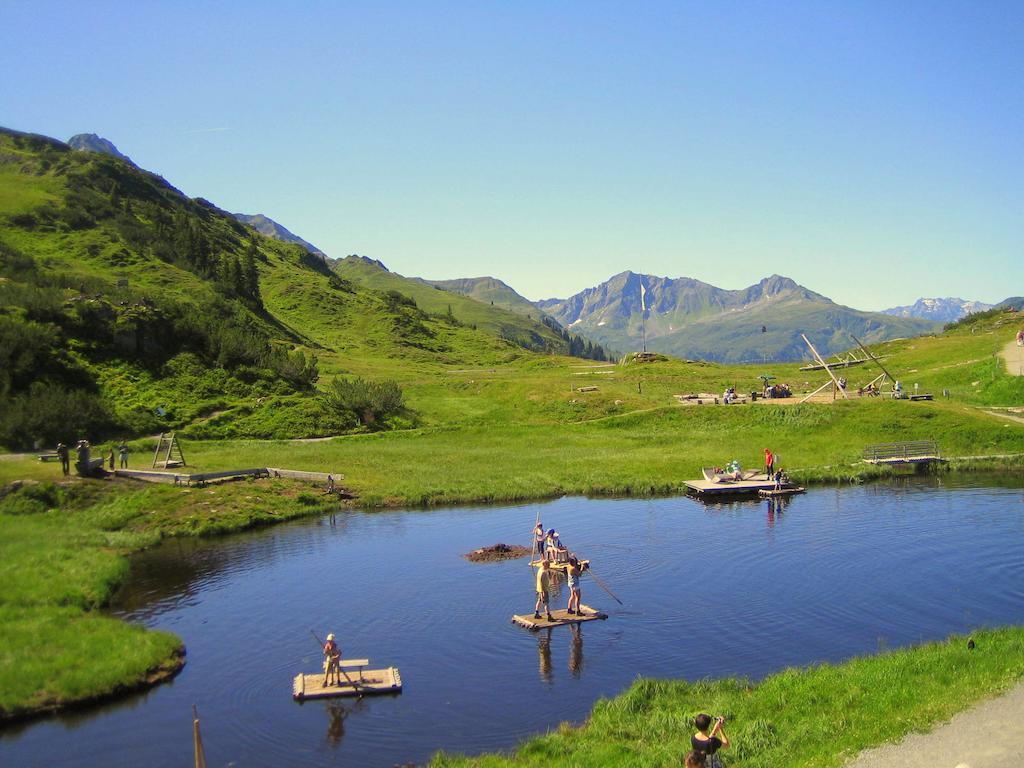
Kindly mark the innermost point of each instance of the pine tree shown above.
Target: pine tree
(251, 275)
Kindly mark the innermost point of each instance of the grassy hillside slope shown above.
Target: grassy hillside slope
(489, 290)
(161, 312)
(525, 330)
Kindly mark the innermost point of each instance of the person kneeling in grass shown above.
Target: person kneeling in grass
(709, 742)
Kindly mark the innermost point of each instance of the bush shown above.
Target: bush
(368, 401)
(49, 413)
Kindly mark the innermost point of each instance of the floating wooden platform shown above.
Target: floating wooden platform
(730, 487)
(559, 618)
(368, 682)
(776, 493)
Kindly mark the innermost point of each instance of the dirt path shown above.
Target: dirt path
(988, 735)
(1014, 357)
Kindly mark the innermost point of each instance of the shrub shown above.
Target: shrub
(368, 401)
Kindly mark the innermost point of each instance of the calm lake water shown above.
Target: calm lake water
(732, 589)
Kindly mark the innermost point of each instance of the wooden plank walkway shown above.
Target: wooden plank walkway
(199, 478)
(296, 474)
(367, 682)
(560, 617)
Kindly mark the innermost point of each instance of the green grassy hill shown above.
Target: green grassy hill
(130, 308)
(525, 330)
(489, 290)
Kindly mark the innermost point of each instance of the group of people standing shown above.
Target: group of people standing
(552, 552)
(83, 453)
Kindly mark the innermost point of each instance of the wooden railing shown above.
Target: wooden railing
(912, 450)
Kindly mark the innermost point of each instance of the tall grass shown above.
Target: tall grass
(813, 717)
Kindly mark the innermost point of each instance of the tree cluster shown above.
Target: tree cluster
(578, 346)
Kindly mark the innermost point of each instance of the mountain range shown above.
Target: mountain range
(692, 319)
(678, 316)
(940, 310)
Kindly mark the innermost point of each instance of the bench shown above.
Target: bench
(48, 457)
(357, 664)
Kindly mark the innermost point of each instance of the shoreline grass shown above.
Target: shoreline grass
(63, 553)
(811, 717)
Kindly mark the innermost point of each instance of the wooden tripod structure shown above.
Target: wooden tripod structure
(828, 370)
(168, 452)
(878, 380)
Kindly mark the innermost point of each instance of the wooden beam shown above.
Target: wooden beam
(812, 394)
(827, 369)
(865, 351)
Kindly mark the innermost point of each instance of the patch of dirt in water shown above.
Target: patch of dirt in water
(497, 553)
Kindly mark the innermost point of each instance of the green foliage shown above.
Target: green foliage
(801, 718)
(368, 401)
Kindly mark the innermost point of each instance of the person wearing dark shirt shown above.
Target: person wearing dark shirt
(709, 741)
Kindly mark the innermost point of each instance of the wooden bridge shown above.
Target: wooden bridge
(910, 452)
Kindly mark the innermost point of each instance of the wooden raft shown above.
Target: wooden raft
(559, 617)
(364, 682)
(775, 493)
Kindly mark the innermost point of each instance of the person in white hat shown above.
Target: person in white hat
(332, 660)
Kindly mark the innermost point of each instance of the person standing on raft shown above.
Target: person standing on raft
(538, 539)
(574, 572)
(769, 463)
(543, 585)
(332, 660)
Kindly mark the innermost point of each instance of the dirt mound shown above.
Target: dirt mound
(496, 553)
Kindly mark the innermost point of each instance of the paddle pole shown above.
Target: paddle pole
(603, 586)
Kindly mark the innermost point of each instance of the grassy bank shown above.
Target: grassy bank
(645, 452)
(63, 552)
(815, 717)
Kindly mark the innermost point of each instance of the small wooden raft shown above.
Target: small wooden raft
(360, 682)
(772, 493)
(558, 618)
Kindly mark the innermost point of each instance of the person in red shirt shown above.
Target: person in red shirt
(332, 660)
(769, 462)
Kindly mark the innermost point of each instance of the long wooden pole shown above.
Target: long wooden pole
(812, 394)
(879, 362)
(197, 740)
(604, 586)
(827, 369)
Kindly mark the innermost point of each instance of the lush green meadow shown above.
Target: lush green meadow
(62, 554)
(815, 717)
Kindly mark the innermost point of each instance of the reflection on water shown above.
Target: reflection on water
(737, 588)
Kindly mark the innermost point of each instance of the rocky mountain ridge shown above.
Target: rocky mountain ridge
(690, 318)
(942, 310)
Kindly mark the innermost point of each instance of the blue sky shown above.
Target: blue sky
(872, 151)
